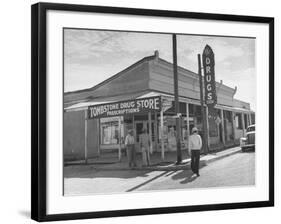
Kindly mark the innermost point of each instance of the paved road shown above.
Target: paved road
(235, 170)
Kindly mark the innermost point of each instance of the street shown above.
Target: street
(234, 170)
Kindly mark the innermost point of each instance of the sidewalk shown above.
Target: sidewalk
(110, 161)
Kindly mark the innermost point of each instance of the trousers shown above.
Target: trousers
(145, 156)
(131, 152)
(195, 160)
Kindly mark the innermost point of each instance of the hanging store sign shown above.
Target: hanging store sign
(166, 104)
(125, 107)
(209, 77)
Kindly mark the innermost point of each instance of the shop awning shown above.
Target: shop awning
(234, 109)
(85, 105)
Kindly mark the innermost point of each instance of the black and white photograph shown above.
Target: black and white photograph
(146, 111)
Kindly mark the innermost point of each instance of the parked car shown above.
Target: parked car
(248, 142)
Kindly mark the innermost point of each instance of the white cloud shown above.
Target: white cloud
(222, 49)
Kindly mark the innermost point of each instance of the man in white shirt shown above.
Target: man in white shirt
(195, 145)
(130, 145)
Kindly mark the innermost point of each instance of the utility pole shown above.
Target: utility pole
(176, 90)
(203, 113)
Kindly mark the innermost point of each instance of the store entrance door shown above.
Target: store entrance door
(139, 126)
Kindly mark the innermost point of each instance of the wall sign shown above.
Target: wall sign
(125, 107)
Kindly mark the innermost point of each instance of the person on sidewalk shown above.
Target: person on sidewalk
(131, 152)
(145, 144)
(195, 144)
(172, 140)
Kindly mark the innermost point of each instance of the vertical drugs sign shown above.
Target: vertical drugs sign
(209, 79)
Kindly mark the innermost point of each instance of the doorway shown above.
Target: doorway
(139, 126)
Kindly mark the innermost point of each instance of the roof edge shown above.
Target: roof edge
(148, 58)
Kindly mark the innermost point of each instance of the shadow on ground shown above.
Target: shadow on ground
(90, 172)
(93, 171)
(185, 176)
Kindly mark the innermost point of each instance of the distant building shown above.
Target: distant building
(149, 78)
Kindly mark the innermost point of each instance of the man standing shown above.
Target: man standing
(144, 144)
(195, 144)
(172, 140)
(130, 145)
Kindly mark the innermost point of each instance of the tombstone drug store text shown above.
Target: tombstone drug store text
(125, 108)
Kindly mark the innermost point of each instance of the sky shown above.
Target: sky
(91, 56)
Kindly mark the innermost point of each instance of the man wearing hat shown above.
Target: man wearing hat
(195, 144)
(130, 145)
(144, 144)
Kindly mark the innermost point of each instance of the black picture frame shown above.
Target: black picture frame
(39, 108)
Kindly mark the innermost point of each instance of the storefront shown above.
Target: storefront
(96, 120)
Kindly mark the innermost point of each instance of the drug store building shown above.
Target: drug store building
(96, 120)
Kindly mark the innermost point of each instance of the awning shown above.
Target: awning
(85, 105)
(234, 109)
(169, 97)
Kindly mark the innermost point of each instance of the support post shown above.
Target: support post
(233, 125)
(176, 92)
(162, 135)
(99, 135)
(150, 133)
(134, 133)
(250, 118)
(222, 126)
(243, 123)
(86, 137)
(208, 126)
(205, 131)
(119, 137)
(187, 122)
(156, 131)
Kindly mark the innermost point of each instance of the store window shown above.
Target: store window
(245, 120)
(215, 124)
(253, 118)
(213, 127)
(109, 129)
(195, 114)
(238, 121)
(228, 125)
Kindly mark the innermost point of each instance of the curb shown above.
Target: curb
(173, 167)
(149, 168)
(222, 156)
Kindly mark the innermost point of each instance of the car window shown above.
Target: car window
(252, 128)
